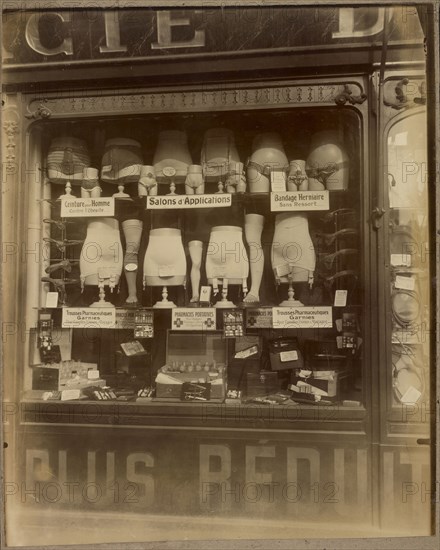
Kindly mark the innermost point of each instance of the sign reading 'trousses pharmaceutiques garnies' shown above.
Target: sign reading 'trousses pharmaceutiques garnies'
(94, 34)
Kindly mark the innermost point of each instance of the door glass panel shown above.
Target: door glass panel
(409, 262)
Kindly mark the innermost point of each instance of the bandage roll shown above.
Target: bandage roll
(165, 261)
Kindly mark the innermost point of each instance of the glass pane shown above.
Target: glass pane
(409, 261)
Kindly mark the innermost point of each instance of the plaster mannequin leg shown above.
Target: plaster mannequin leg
(195, 252)
(253, 229)
(132, 232)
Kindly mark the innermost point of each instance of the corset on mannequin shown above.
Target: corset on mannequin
(101, 255)
(226, 257)
(172, 152)
(293, 252)
(165, 261)
(66, 160)
(122, 161)
(218, 152)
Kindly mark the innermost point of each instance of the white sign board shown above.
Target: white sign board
(299, 201)
(187, 318)
(302, 317)
(89, 317)
(217, 200)
(79, 208)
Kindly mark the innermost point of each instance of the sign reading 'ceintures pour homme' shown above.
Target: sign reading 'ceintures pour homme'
(79, 208)
(93, 34)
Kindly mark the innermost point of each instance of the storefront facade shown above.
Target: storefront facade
(218, 255)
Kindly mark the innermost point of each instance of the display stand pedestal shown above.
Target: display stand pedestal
(164, 303)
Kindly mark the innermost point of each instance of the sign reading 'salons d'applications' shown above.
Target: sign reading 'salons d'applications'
(92, 34)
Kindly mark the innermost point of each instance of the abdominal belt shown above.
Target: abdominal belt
(263, 169)
(322, 174)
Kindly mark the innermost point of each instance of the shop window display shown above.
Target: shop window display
(244, 257)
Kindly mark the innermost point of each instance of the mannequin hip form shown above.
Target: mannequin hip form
(172, 151)
(293, 254)
(101, 254)
(226, 256)
(165, 261)
(268, 154)
(253, 229)
(132, 232)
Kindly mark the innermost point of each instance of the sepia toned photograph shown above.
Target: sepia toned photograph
(218, 274)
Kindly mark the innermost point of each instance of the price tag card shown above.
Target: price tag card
(52, 299)
(205, 295)
(286, 356)
(340, 298)
(278, 180)
(187, 318)
(405, 283)
(89, 317)
(398, 260)
(302, 317)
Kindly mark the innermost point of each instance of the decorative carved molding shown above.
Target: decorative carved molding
(133, 102)
(347, 95)
(11, 130)
(402, 100)
(41, 111)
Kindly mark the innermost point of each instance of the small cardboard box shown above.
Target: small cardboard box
(59, 376)
(323, 383)
(199, 358)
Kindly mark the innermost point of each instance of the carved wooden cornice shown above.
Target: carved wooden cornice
(11, 129)
(138, 102)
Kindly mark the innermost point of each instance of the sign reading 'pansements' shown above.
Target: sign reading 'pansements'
(189, 201)
(89, 317)
(299, 200)
(302, 317)
(78, 208)
(193, 318)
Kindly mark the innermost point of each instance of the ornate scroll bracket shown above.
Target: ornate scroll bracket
(402, 100)
(347, 95)
(11, 130)
(40, 112)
